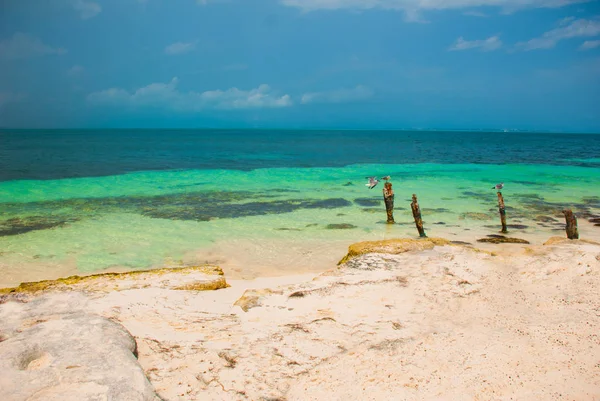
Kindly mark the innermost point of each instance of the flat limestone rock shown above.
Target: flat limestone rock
(392, 246)
(191, 278)
(562, 241)
(503, 240)
(68, 357)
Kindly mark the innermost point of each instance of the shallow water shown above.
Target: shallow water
(273, 215)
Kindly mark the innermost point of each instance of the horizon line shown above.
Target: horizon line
(466, 130)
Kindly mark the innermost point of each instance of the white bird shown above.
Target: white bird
(386, 178)
(372, 182)
(498, 187)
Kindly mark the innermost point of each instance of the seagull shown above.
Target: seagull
(499, 186)
(372, 182)
(386, 178)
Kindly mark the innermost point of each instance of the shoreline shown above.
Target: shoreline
(248, 259)
(409, 318)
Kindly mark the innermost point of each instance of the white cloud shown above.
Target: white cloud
(86, 9)
(568, 28)
(413, 6)
(489, 44)
(167, 96)
(179, 48)
(75, 70)
(22, 45)
(358, 93)
(589, 44)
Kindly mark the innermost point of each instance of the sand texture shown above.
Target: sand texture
(429, 322)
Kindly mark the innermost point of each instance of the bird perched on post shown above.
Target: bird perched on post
(372, 182)
(386, 178)
(498, 187)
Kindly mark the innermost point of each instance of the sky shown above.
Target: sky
(357, 64)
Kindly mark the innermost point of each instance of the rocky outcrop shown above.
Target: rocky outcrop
(47, 357)
(563, 241)
(189, 278)
(500, 239)
(392, 246)
(388, 323)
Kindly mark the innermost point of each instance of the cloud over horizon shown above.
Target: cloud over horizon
(415, 5)
(589, 44)
(568, 28)
(167, 96)
(22, 45)
(179, 48)
(486, 45)
(86, 9)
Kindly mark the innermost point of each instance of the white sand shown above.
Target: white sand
(450, 323)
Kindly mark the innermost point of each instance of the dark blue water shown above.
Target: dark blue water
(53, 154)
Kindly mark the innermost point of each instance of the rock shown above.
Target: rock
(392, 246)
(191, 278)
(474, 216)
(70, 357)
(341, 226)
(517, 226)
(498, 239)
(563, 240)
(367, 201)
(23, 225)
(251, 298)
(545, 219)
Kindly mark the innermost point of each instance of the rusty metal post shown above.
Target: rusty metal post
(502, 211)
(417, 215)
(388, 198)
(572, 232)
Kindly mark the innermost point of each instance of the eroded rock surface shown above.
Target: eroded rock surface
(400, 319)
(46, 357)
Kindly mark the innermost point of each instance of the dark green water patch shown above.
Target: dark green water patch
(341, 226)
(477, 195)
(22, 225)
(211, 211)
(591, 201)
(435, 210)
(198, 206)
(475, 216)
(367, 202)
(500, 239)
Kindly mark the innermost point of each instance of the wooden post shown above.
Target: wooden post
(572, 232)
(417, 215)
(388, 198)
(502, 212)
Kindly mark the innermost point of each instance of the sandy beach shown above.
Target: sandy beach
(400, 319)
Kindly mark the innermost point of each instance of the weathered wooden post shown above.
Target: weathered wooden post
(502, 212)
(572, 232)
(417, 215)
(388, 198)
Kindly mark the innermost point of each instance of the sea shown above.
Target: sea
(272, 202)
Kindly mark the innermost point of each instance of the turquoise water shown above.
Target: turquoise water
(150, 218)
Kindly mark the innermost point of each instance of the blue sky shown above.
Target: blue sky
(517, 64)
